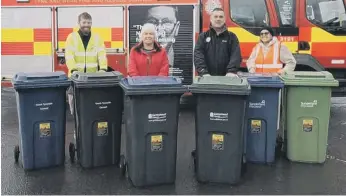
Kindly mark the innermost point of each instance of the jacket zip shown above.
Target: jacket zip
(85, 68)
(148, 61)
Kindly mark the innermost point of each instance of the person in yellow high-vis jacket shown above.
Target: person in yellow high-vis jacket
(84, 51)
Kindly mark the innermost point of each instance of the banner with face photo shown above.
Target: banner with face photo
(174, 26)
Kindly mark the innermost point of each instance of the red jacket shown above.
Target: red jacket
(152, 64)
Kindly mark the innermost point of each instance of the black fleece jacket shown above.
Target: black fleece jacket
(217, 54)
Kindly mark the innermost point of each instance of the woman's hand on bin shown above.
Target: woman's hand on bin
(281, 71)
(252, 70)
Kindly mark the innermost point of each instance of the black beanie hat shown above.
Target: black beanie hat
(271, 31)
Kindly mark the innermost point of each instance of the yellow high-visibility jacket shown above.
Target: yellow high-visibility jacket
(90, 60)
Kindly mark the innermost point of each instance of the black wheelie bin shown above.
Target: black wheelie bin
(152, 111)
(219, 118)
(98, 106)
(42, 118)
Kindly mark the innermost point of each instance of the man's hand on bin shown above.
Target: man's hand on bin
(231, 75)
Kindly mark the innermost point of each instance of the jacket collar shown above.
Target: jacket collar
(272, 42)
(82, 35)
(139, 47)
(212, 29)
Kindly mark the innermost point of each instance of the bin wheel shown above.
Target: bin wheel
(278, 148)
(193, 153)
(72, 151)
(122, 165)
(243, 166)
(195, 164)
(16, 153)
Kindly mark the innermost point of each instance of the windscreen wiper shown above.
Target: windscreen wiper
(330, 21)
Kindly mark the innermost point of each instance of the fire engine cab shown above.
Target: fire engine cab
(34, 31)
(314, 30)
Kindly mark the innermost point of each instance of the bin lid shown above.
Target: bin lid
(309, 78)
(40, 80)
(144, 85)
(96, 79)
(221, 85)
(263, 80)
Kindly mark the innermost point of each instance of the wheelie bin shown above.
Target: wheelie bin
(219, 156)
(152, 111)
(262, 116)
(307, 107)
(98, 105)
(42, 118)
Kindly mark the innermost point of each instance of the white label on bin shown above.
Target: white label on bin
(308, 104)
(103, 105)
(257, 105)
(44, 106)
(162, 117)
(218, 116)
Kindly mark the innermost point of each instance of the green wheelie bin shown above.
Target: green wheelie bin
(306, 104)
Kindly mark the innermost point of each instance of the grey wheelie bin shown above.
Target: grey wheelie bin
(262, 116)
(42, 118)
(98, 106)
(219, 156)
(152, 111)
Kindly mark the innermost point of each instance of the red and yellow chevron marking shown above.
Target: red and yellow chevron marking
(113, 37)
(322, 43)
(26, 41)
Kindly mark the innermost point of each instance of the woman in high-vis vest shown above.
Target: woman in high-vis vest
(270, 56)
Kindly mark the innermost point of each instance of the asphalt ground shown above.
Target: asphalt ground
(283, 177)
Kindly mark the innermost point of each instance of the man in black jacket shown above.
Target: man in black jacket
(217, 51)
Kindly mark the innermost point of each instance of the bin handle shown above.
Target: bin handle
(309, 76)
(42, 78)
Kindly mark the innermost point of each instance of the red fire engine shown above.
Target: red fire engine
(34, 31)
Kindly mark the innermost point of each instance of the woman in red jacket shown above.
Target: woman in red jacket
(148, 58)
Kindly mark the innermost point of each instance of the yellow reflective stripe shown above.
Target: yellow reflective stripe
(69, 57)
(71, 48)
(101, 58)
(101, 49)
(91, 54)
(88, 65)
(269, 66)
